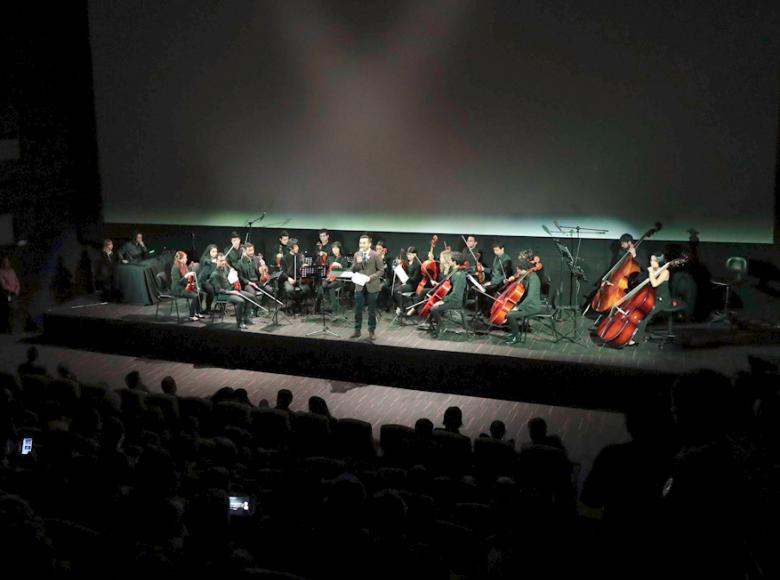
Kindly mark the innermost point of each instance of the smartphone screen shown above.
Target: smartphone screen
(26, 446)
(239, 504)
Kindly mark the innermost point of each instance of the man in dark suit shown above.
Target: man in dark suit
(366, 261)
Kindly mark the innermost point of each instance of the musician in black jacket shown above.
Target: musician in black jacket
(226, 291)
(454, 298)
(292, 264)
(183, 284)
(235, 251)
(415, 275)
(208, 263)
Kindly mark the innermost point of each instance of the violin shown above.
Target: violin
(323, 255)
(614, 284)
(510, 296)
(262, 269)
(479, 268)
(621, 325)
(430, 268)
(334, 266)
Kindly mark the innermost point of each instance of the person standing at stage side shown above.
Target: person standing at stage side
(366, 261)
(9, 282)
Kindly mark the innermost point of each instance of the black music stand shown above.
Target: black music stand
(318, 272)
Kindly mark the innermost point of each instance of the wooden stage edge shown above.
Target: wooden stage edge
(540, 371)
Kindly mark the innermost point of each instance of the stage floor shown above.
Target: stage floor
(577, 373)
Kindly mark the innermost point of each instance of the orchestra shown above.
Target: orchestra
(503, 295)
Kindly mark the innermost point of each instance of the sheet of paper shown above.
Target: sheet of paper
(344, 274)
(401, 274)
(360, 279)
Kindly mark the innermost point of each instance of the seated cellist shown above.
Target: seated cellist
(532, 299)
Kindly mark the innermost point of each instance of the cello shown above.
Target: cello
(509, 298)
(429, 268)
(614, 284)
(438, 293)
(621, 325)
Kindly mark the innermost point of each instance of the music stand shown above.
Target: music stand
(570, 262)
(318, 273)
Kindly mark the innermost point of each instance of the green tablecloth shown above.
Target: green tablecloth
(135, 283)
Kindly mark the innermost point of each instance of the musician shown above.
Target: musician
(281, 250)
(227, 292)
(531, 302)
(248, 274)
(292, 264)
(414, 272)
(183, 284)
(134, 250)
(470, 250)
(208, 263)
(368, 262)
(9, 282)
(454, 298)
(385, 293)
(322, 247)
(234, 252)
(659, 279)
(104, 270)
(628, 244)
(337, 262)
(501, 269)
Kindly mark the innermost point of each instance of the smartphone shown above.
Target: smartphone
(25, 447)
(240, 505)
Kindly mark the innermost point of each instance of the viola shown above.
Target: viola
(621, 325)
(262, 269)
(429, 268)
(334, 266)
(509, 297)
(614, 284)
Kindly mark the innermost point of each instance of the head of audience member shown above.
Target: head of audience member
(64, 372)
(453, 419)
(423, 428)
(497, 430)
(284, 399)
(318, 406)
(242, 396)
(32, 354)
(537, 430)
(168, 385)
(133, 380)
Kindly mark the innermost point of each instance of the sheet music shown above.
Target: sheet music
(401, 274)
(360, 279)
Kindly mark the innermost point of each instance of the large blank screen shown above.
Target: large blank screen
(440, 116)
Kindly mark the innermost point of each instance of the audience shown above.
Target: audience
(119, 484)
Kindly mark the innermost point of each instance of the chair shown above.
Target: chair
(548, 315)
(311, 434)
(396, 441)
(463, 318)
(354, 438)
(664, 337)
(737, 268)
(271, 428)
(164, 294)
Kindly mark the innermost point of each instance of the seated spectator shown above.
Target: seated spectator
(537, 430)
(29, 367)
(242, 396)
(318, 406)
(498, 432)
(168, 386)
(453, 419)
(133, 382)
(284, 399)
(64, 372)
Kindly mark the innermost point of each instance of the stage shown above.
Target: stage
(573, 373)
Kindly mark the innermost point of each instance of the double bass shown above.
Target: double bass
(509, 298)
(621, 325)
(614, 284)
(429, 268)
